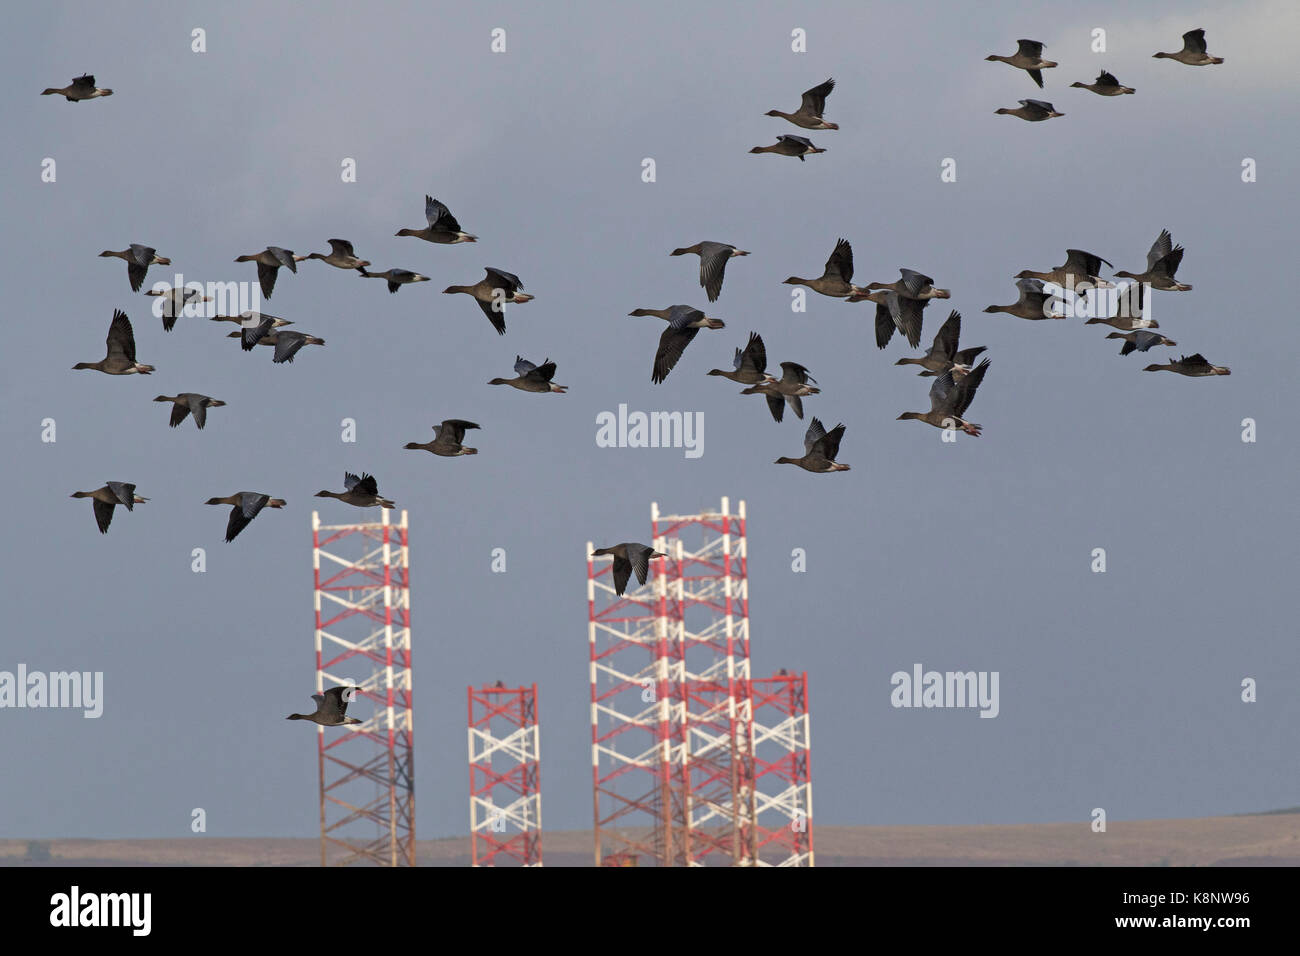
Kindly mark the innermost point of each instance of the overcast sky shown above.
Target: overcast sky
(1118, 690)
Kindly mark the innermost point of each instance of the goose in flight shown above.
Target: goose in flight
(105, 499)
(811, 107)
(628, 557)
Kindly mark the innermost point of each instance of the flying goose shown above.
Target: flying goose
(287, 343)
(893, 311)
(331, 708)
(1034, 111)
(912, 285)
(628, 557)
(1034, 303)
(1193, 52)
(532, 378)
(790, 389)
(138, 260)
(1105, 85)
(790, 145)
(447, 439)
(1029, 57)
(246, 506)
(492, 293)
(1163, 259)
(269, 261)
(713, 263)
(1139, 341)
(1128, 316)
(1193, 365)
(811, 107)
(443, 227)
(360, 492)
(120, 359)
(252, 319)
(341, 256)
(943, 355)
(684, 323)
(81, 88)
(187, 403)
(1079, 267)
(396, 277)
(174, 302)
(820, 448)
(836, 279)
(109, 497)
(750, 364)
(949, 400)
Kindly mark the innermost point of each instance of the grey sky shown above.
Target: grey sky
(1118, 690)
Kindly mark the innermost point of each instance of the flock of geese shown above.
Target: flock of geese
(899, 307)
(1029, 57)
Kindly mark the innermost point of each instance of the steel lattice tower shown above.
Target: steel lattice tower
(635, 722)
(363, 639)
(708, 611)
(504, 761)
(783, 771)
(672, 734)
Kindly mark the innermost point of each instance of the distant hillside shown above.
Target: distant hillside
(1262, 839)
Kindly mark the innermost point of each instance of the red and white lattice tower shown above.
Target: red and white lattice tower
(635, 719)
(783, 771)
(671, 717)
(708, 619)
(505, 797)
(363, 639)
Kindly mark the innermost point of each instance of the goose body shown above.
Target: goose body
(949, 400)
(714, 257)
(789, 389)
(447, 439)
(138, 259)
(1139, 341)
(750, 363)
(246, 505)
(190, 403)
(492, 293)
(443, 227)
(396, 277)
(331, 709)
(120, 359)
(811, 107)
(1105, 85)
(532, 378)
(790, 145)
(943, 356)
(1163, 259)
(684, 323)
(251, 319)
(1193, 53)
(341, 256)
(1034, 302)
(1192, 365)
(360, 492)
(1028, 57)
(175, 301)
(81, 88)
(820, 449)
(1033, 111)
(628, 557)
(1079, 268)
(287, 343)
(1128, 315)
(105, 499)
(836, 279)
(269, 262)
